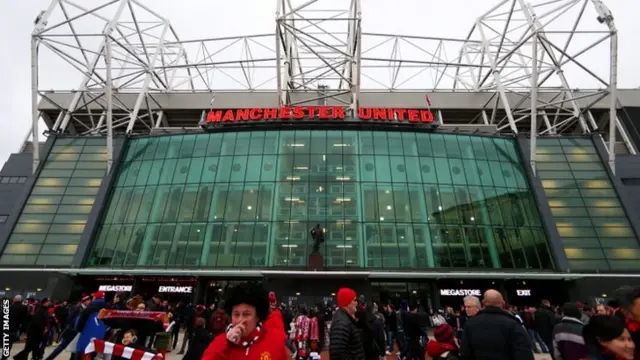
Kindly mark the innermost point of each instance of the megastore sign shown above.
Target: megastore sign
(115, 288)
(287, 113)
(176, 289)
(459, 292)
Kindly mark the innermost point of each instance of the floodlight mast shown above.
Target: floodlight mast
(319, 57)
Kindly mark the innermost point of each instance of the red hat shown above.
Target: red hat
(85, 298)
(345, 297)
(272, 298)
(98, 295)
(444, 334)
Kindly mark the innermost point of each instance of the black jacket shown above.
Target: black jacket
(366, 322)
(198, 344)
(494, 334)
(19, 317)
(38, 324)
(545, 321)
(94, 307)
(345, 340)
(412, 325)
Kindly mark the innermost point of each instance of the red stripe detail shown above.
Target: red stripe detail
(137, 354)
(118, 349)
(99, 344)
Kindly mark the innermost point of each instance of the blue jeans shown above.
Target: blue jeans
(290, 346)
(390, 338)
(403, 346)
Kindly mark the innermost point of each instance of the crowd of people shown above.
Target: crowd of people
(250, 324)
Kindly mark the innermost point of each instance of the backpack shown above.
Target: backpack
(218, 322)
(399, 325)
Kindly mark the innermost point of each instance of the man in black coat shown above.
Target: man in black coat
(494, 334)
(545, 320)
(345, 339)
(19, 319)
(413, 324)
(35, 332)
(199, 341)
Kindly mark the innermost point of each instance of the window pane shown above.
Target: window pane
(249, 199)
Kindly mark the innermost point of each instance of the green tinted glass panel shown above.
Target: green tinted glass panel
(384, 200)
(589, 216)
(59, 204)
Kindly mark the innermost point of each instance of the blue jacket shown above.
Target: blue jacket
(92, 328)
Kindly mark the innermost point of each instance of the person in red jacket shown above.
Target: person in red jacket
(276, 314)
(253, 333)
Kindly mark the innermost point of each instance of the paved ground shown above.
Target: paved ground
(174, 355)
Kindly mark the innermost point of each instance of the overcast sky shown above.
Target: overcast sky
(196, 19)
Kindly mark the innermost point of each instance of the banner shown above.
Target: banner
(134, 315)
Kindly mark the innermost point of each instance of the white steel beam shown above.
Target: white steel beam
(34, 104)
(109, 95)
(90, 70)
(148, 77)
(534, 104)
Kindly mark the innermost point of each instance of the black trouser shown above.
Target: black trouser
(416, 351)
(175, 331)
(32, 346)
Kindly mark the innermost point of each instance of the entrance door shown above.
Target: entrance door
(394, 293)
(309, 292)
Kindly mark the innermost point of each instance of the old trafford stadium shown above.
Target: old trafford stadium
(325, 154)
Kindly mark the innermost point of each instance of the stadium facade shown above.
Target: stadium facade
(156, 179)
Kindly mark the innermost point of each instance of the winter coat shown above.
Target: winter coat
(19, 314)
(270, 345)
(494, 334)
(198, 343)
(89, 326)
(568, 343)
(545, 321)
(345, 339)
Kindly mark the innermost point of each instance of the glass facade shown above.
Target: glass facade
(593, 225)
(384, 199)
(52, 221)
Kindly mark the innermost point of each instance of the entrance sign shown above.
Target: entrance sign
(176, 289)
(523, 292)
(115, 288)
(423, 116)
(460, 292)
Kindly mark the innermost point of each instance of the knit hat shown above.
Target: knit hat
(443, 333)
(98, 295)
(345, 297)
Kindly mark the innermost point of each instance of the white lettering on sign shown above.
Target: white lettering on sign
(459, 292)
(115, 288)
(176, 289)
(523, 292)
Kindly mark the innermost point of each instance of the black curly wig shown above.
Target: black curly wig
(249, 293)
